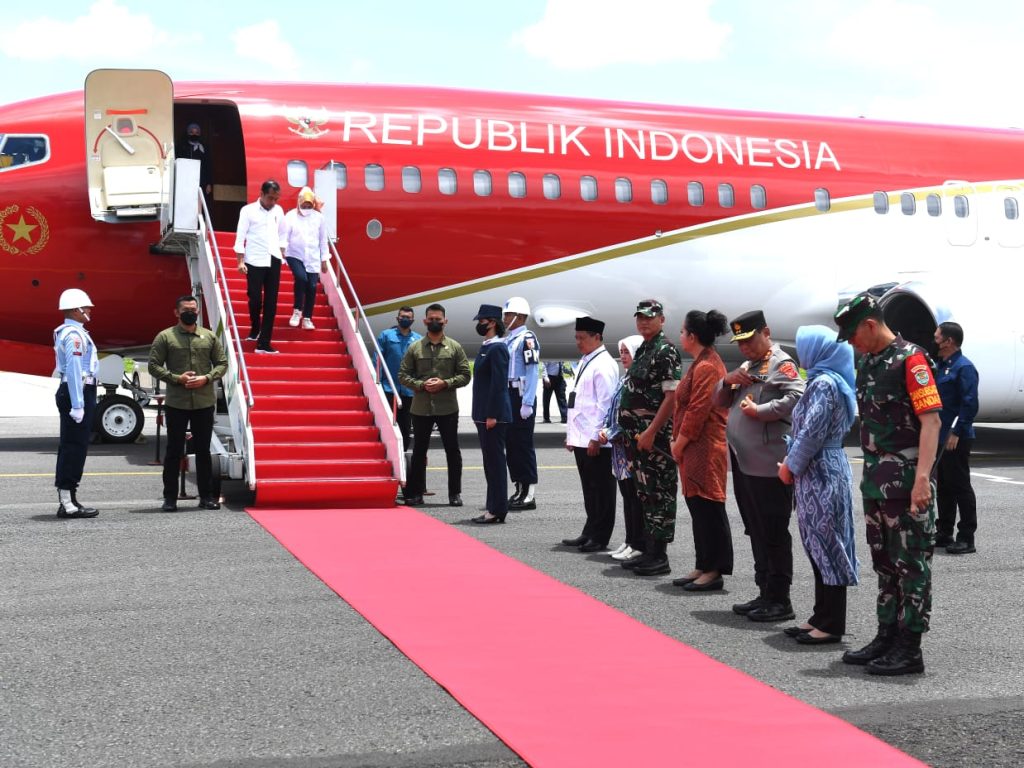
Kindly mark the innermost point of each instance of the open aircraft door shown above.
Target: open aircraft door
(129, 134)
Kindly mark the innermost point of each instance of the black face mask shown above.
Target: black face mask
(482, 328)
(405, 322)
(435, 326)
(188, 317)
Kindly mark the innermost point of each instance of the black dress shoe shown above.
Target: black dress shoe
(794, 631)
(593, 546)
(79, 511)
(521, 505)
(169, 505)
(710, 586)
(744, 608)
(960, 548)
(943, 541)
(455, 500)
(772, 612)
(209, 504)
(682, 582)
(484, 520)
(413, 501)
(579, 541)
(807, 638)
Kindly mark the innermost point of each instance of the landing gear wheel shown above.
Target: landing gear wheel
(119, 419)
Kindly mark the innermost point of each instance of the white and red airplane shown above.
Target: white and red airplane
(581, 206)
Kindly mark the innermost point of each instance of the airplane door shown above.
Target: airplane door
(129, 134)
(961, 201)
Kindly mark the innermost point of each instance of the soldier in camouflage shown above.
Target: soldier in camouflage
(645, 412)
(899, 409)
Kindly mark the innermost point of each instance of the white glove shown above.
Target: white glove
(525, 411)
(77, 414)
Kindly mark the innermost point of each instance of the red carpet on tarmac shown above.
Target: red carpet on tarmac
(531, 657)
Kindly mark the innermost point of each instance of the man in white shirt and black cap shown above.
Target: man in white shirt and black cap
(597, 379)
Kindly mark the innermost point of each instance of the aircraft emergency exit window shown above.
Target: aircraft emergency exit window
(516, 184)
(726, 195)
(934, 205)
(22, 150)
(411, 179)
(695, 193)
(1010, 208)
(758, 197)
(908, 203)
(623, 190)
(447, 182)
(659, 192)
(482, 183)
(340, 172)
(961, 207)
(298, 173)
(373, 177)
(588, 188)
(881, 202)
(822, 199)
(552, 186)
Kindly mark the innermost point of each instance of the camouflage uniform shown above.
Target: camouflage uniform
(652, 378)
(894, 387)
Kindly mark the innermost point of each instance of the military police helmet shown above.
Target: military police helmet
(517, 305)
(74, 298)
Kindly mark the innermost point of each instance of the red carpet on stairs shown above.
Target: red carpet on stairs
(315, 441)
(534, 660)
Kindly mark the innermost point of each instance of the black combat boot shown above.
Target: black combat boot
(517, 497)
(883, 642)
(657, 565)
(85, 511)
(904, 658)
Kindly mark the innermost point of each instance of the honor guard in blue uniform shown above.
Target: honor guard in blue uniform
(523, 377)
(77, 365)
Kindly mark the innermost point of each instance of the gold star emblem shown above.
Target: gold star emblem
(22, 230)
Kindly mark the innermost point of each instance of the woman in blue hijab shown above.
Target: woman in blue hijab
(818, 466)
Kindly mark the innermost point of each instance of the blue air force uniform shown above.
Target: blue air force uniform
(78, 365)
(523, 377)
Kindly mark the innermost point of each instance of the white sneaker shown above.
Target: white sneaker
(296, 316)
(619, 550)
(633, 554)
(624, 554)
(307, 324)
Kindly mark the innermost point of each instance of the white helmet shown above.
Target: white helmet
(517, 305)
(74, 298)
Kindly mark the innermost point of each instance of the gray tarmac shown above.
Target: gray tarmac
(191, 639)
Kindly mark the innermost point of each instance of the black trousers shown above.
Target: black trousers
(632, 514)
(521, 457)
(557, 388)
(598, 484)
(829, 606)
(712, 539)
(448, 428)
(403, 416)
(766, 505)
(304, 287)
(180, 421)
(74, 437)
(262, 285)
(955, 491)
(492, 446)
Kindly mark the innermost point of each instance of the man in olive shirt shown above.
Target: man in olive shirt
(433, 368)
(188, 358)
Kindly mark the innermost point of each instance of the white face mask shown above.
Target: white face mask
(305, 211)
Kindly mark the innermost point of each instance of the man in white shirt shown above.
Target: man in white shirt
(260, 243)
(597, 378)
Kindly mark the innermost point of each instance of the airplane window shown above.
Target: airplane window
(1010, 208)
(482, 183)
(623, 190)
(373, 177)
(447, 181)
(552, 186)
(695, 193)
(340, 172)
(934, 205)
(411, 180)
(298, 173)
(659, 192)
(960, 207)
(758, 197)
(881, 202)
(588, 188)
(374, 229)
(908, 203)
(516, 184)
(22, 150)
(822, 199)
(726, 196)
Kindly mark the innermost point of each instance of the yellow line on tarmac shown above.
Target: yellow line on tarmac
(86, 474)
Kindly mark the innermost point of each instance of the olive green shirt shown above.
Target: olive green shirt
(445, 360)
(176, 351)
